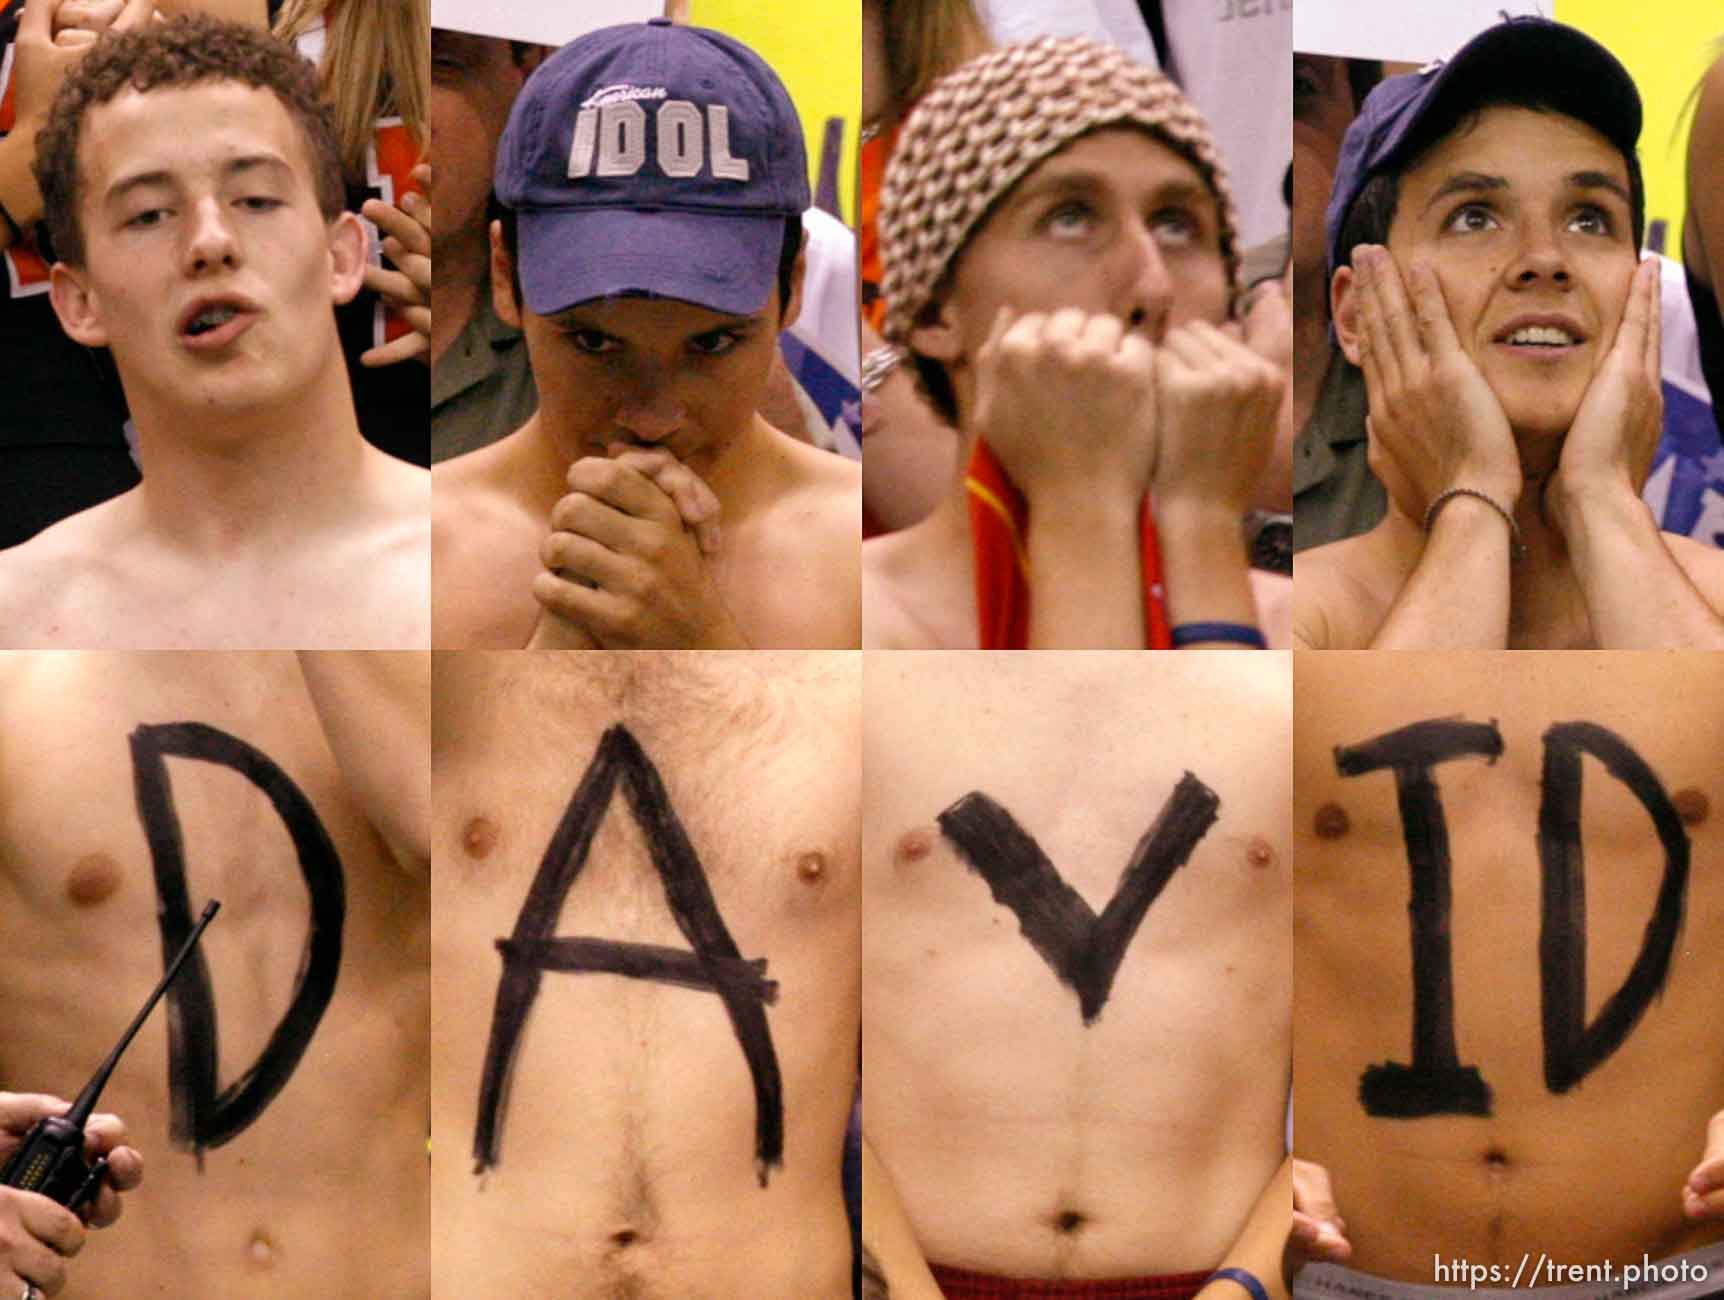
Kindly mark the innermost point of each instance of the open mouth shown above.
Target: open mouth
(1541, 335)
(211, 318)
(211, 325)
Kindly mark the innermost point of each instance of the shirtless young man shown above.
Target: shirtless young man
(1538, 1070)
(201, 238)
(1484, 243)
(285, 1125)
(655, 177)
(1059, 255)
(618, 836)
(1051, 1109)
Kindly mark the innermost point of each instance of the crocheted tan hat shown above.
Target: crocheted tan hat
(982, 127)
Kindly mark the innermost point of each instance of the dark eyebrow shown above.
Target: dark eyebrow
(570, 319)
(1058, 183)
(1601, 181)
(1083, 183)
(1465, 183)
(233, 167)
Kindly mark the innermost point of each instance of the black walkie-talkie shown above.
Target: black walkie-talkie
(51, 1161)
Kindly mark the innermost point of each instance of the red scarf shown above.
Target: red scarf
(999, 523)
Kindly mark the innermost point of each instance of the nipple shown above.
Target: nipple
(1331, 822)
(93, 879)
(1692, 806)
(914, 845)
(480, 837)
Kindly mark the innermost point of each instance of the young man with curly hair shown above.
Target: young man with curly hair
(191, 186)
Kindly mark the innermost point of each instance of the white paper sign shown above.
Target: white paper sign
(1410, 31)
(547, 22)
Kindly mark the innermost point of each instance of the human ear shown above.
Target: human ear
(938, 333)
(1344, 311)
(75, 304)
(347, 243)
(503, 300)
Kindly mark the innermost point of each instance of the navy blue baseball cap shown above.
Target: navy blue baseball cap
(652, 160)
(1533, 57)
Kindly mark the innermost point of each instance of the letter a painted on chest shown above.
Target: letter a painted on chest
(712, 964)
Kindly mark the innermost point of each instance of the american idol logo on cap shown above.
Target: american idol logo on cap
(611, 139)
(614, 94)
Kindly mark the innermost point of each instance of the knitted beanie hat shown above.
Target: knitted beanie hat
(981, 128)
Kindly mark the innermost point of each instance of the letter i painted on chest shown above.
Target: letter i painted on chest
(1435, 1083)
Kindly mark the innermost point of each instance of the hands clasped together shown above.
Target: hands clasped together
(1082, 411)
(1436, 424)
(627, 559)
(38, 1236)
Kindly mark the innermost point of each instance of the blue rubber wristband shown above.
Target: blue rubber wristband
(1244, 1279)
(1238, 633)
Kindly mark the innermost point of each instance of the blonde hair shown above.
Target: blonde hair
(926, 39)
(376, 60)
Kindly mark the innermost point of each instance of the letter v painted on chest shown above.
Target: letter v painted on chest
(1083, 949)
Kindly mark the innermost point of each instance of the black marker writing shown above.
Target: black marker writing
(1083, 949)
(201, 1116)
(714, 965)
(1572, 1048)
(1436, 1083)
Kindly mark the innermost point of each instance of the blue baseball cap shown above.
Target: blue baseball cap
(652, 160)
(1533, 57)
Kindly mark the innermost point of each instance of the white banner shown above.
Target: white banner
(547, 22)
(1407, 31)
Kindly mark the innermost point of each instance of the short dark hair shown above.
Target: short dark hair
(185, 51)
(788, 252)
(1373, 210)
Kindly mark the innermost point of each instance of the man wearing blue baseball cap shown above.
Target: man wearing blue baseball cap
(1484, 247)
(654, 178)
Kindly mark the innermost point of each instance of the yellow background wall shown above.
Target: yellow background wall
(1666, 47)
(815, 46)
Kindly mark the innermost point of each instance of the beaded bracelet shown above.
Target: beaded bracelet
(1517, 549)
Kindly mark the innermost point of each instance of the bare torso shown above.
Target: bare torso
(627, 1156)
(1585, 1170)
(103, 579)
(1021, 1140)
(1346, 589)
(324, 1193)
(787, 570)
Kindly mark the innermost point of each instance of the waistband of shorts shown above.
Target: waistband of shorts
(1696, 1275)
(961, 1284)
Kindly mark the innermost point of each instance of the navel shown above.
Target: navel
(262, 1251)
